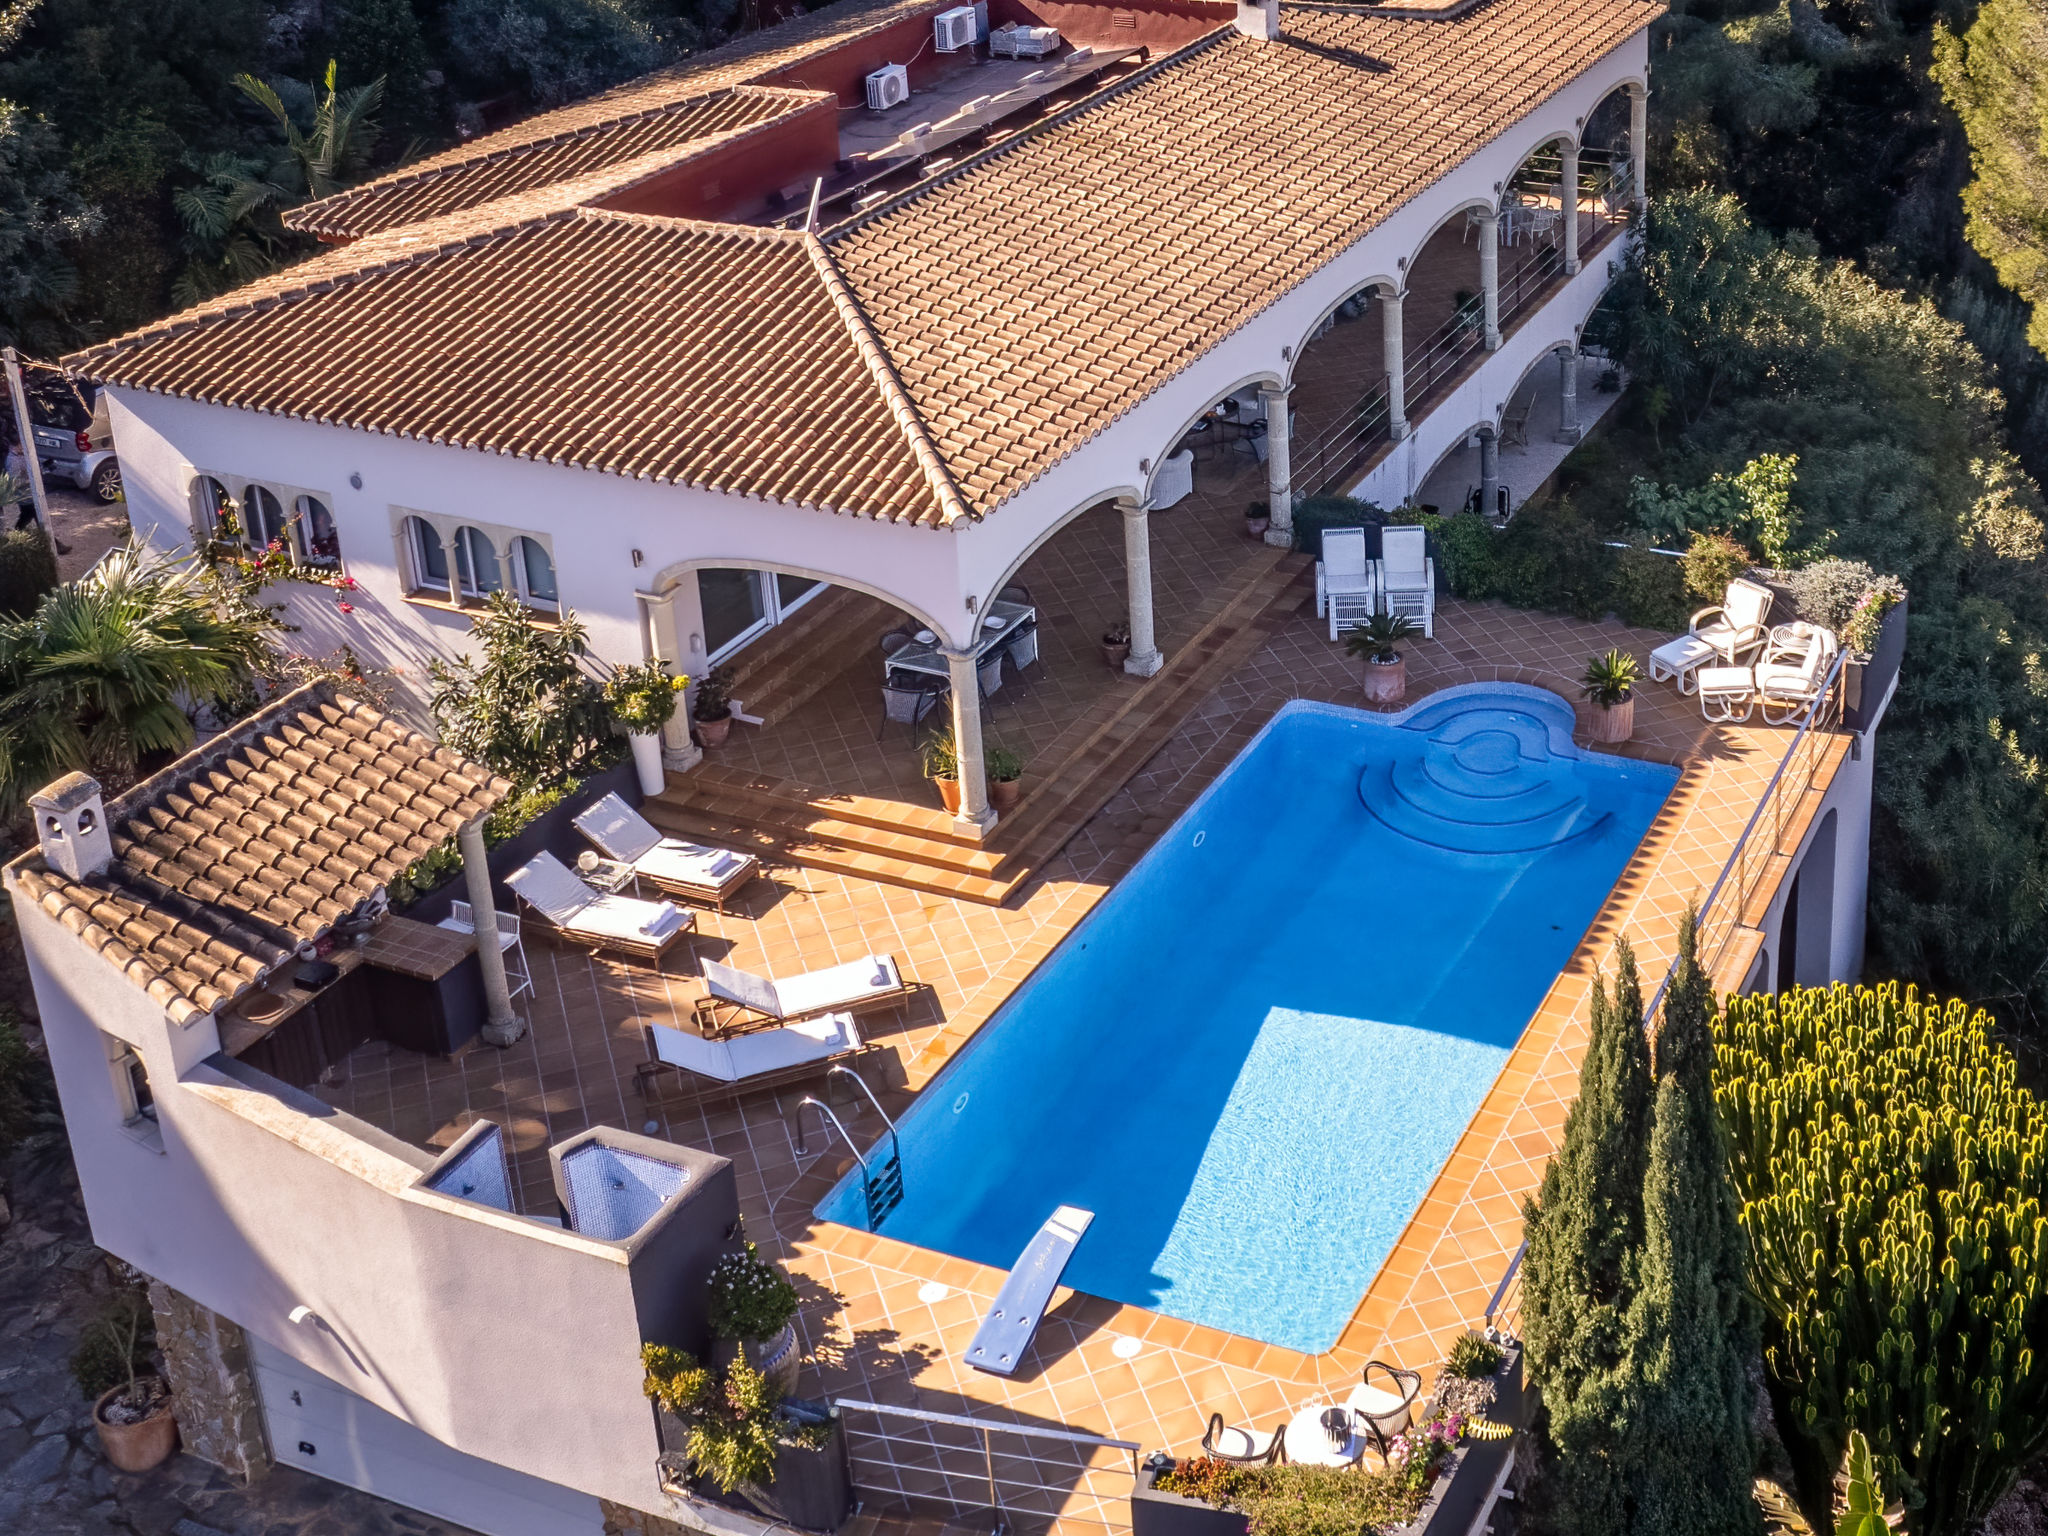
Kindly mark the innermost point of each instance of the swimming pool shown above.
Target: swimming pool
(1250, 1060)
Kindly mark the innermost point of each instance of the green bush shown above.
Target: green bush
(117, 1345)
(1648, 590)
(1893, 1179)
(1713, 560)
(527, 709)
(1464, 553)
(28, 569)
(1320, 512)
(750, 1298)
(1295, 1500)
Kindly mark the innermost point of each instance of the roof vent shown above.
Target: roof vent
(71, 821)
(1259, 19)
(888, 87)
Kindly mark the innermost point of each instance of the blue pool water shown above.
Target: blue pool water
(1252, 1058)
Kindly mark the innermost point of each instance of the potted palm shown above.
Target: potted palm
(1609, 685)
(753, 1315)
(942, 767)
(1005, 779)
(642, 700)
(132, 1409)
(711, 709)
(1116, 645)
(1375, 642)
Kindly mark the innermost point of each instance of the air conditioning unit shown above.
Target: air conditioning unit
(955, 29)
(888, 87)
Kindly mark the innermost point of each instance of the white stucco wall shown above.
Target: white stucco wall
(509, 1339)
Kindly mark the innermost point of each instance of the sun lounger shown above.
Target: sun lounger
(739, 1000)
(757, 1060)
(707, 875)
(574, 910)
(1004, 1335)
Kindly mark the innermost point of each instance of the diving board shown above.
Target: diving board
(1004, 1335)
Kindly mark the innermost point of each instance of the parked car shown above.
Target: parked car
(73, 439)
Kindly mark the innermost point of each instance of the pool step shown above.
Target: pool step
(917, 846)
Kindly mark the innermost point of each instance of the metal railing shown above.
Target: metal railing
(1727, 901)
(1320, 464)
(917, 1459)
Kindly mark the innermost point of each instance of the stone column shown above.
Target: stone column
(1396, 362)
(1489, 472)
(975, 815)
(1144, 660)
(1639, 144)
(1568, 189)
(1489, 274)
(1279, 449)
(1568, 429)
(213, 1384)
(502, 1027)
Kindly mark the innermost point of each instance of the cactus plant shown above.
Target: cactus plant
(1893, 1176)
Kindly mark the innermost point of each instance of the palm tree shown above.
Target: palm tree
(344, 126)
(99, 677)
(231, 227)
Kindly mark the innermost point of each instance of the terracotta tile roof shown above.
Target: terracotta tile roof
(231, 857)
(933, 356)
(488, 170)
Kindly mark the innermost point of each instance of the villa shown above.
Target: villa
(906, 340)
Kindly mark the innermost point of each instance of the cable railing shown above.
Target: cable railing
(1727, 902)
(1320, 464)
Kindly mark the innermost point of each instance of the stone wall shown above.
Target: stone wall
(213, 1384)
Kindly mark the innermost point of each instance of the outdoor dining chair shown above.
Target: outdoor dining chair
(1245, 1447)
(907, 701)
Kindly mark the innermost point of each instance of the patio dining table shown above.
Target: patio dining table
(999, 627)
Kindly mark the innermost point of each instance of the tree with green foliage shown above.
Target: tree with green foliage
(1995, 76)
(328, 132)
(554, 50)
(39, 213)
(1691, 1322)
(526, 708)
(1893, 1179)
(98, 678)
(1584, 1229)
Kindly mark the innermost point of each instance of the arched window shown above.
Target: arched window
(476, 562)
(534, 573)
(319, 544)
(429, 555)
(209, 500)
(263, 521)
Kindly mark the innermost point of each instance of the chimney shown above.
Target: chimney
(72, 823)
(1259, 19)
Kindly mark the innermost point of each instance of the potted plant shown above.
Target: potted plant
(1116, 645)
(1609, 685)
(131, 1410)
(738, 1432)
(942, 767)
(1005, 779)
(1258, 517)
(1386, 670)
(642, 700)
(753, 1315)
(712, 707)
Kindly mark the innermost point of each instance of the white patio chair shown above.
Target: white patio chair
(1408, 576)
(461, 918)
(574, 910)
(1175, 480)
(737, 999)
(670, 865)
(1736, 626)
(1727, 694)
(1344, 579)
(1793, 671)
(773, 1055)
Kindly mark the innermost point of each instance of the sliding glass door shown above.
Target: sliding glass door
(741, 606)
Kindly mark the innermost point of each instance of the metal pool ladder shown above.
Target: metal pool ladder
(881, 1182)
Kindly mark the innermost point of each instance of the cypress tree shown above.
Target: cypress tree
(1691, 1324)
(1584, 1229)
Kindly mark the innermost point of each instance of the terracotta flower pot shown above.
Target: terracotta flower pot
(1255, 527)
(136, 1447)
(1003, 794)
(776, 1357)
(949, 793)
(1386, 681)
(1114, 656)
(712, 733)
(1613, 722)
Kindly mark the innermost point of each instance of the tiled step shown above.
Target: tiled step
(796, 661)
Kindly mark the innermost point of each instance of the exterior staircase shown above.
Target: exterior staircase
(916, 846)
(794, 663)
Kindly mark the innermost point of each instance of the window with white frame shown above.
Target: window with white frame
(740, 606)
(132, 1095)
(464, 562)
(300, 521)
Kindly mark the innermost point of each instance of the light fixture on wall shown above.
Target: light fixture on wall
(638, 559)
(355, 482)
(972, 602)
(1144, 466)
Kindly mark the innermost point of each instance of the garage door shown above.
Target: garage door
(318, 1426)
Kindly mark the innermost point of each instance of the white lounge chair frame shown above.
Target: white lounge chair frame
(760, 1060)
(1408, 575)
(1736, 625)
(1345, 589)
(669, 864)
(461, 918)
(1792, 673)
(738, 1001)
(584, 916)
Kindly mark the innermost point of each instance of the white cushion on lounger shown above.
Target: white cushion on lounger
(771, 1050)
(690, 864)
(626, 917)
(838, 986)
(549, 885)
(619, 831)
(742, 987)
